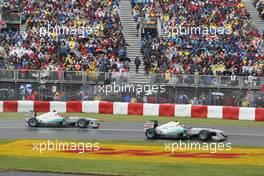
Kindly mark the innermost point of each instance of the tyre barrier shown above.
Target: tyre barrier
(144, 109)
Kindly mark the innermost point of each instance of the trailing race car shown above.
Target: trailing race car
(56, 120)
(173, 130)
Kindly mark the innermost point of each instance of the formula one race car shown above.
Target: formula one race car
(54, 119)
(173, 130)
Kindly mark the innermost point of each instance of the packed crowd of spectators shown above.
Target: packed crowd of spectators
(57, 37)
(12, 6)
(239, 51)
(259, 4)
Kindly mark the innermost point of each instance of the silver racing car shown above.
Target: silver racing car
(54, 119)
(174, 130)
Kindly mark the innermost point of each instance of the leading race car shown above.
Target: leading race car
(174, 130)
(54, 119)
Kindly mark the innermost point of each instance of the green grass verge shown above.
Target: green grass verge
(5, 141)
(129, 118)
(124, 168)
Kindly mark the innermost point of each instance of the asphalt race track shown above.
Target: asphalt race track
(131, 131)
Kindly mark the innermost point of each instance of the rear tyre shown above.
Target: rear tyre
(204, 135)
(82, 123)
(32, 122)
(151, 133)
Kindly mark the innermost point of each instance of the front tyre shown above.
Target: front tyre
(32, 122)
(204, 135)
(151, 133)
(82, 123)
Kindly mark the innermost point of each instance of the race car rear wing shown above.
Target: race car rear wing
(31, 114)
(150, 124)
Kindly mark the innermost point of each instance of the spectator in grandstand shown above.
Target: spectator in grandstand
(259, 102)
(10, 6)
(127, 98)
(134, 99)
(56, 97)
(195, 101)
(245, 103)
(137, 63)
(98, 98)
(230, 100)
(145, 99)
(237, 101)
(233, 79)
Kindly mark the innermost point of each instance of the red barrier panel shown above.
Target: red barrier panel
(10, 106)
(135, 109)
(106, 107)
(166, 110)
(231, 113)
(199, 111)
(259, 114)
(74, 106)
(42, 106)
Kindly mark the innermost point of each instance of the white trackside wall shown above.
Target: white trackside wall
(25, 106)
(246, 113)
(90, 106)
(150, 109)
(215, 112)
(183, 111)
(58, 106)
(119, 108)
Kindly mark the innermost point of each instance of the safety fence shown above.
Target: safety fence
(82, 77)
(10, 91)
(144, 109)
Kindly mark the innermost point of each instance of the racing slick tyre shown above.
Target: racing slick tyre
(151, 133)
(82, 123)
(32, 122)
(204, 135)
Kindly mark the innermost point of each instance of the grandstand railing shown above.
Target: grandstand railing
(207, 81)
(83, 77)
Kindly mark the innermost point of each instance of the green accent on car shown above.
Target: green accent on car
(55, 121)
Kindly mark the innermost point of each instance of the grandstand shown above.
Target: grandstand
(95, 50)
(89, 43)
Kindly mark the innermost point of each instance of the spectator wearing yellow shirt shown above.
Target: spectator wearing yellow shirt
(133, 99)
